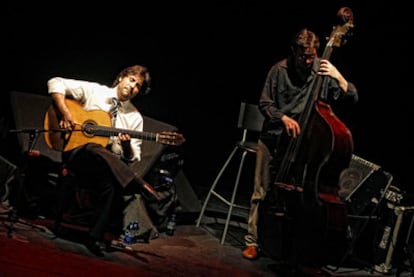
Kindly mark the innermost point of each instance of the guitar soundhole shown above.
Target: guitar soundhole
(89, 128)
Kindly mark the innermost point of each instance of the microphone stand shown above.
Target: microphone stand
(11, 212)
(34, 136)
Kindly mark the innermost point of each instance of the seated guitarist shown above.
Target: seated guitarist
(105, 169)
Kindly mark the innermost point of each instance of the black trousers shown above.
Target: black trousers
(98, 170)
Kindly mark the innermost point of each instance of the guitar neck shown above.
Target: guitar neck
(104, 131)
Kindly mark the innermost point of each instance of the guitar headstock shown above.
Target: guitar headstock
(170, 138)
(342, 31)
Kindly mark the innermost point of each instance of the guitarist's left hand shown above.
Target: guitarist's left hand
(124, 138)
(125, 141)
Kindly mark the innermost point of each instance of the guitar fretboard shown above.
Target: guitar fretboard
(95, 130)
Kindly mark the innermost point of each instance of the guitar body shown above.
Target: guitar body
(93, 127)
(65, 141)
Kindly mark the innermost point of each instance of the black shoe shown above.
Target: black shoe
(96, 247)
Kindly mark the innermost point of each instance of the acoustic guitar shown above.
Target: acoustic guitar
(93, 127)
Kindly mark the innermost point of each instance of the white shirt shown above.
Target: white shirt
(94, 96)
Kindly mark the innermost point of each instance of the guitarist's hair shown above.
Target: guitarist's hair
(139, 70)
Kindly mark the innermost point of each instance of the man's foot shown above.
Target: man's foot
(251, 252)
(95, 246)
(120, 244)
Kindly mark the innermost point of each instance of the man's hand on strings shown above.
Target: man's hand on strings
(292, 126)
(123, 137)
(328, 69)
(67, 122)
(125, 141)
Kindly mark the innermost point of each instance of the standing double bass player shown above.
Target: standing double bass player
(283, 99)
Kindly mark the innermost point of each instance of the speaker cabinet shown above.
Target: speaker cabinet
(153, 153)
(158, 159)
(28, 112)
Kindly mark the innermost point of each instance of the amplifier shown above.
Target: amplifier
(394, 238)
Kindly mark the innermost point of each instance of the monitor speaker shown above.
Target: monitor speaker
(28, 113)
(160, 159)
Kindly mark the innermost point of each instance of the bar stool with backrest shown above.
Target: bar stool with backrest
(250, 120)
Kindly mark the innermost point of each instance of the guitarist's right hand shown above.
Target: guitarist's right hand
(66, 120)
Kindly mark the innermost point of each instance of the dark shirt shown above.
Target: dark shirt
(284, 93)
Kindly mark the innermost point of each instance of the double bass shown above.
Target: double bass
(308, 175)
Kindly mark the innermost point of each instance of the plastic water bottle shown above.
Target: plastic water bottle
(171, 225)
(131, 233)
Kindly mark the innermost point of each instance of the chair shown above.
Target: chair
(250, 120)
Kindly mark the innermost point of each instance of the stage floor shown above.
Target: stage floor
(29, 248)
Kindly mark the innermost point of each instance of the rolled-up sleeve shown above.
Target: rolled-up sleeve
(56, 85)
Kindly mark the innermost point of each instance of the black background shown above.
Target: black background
(207, 56)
